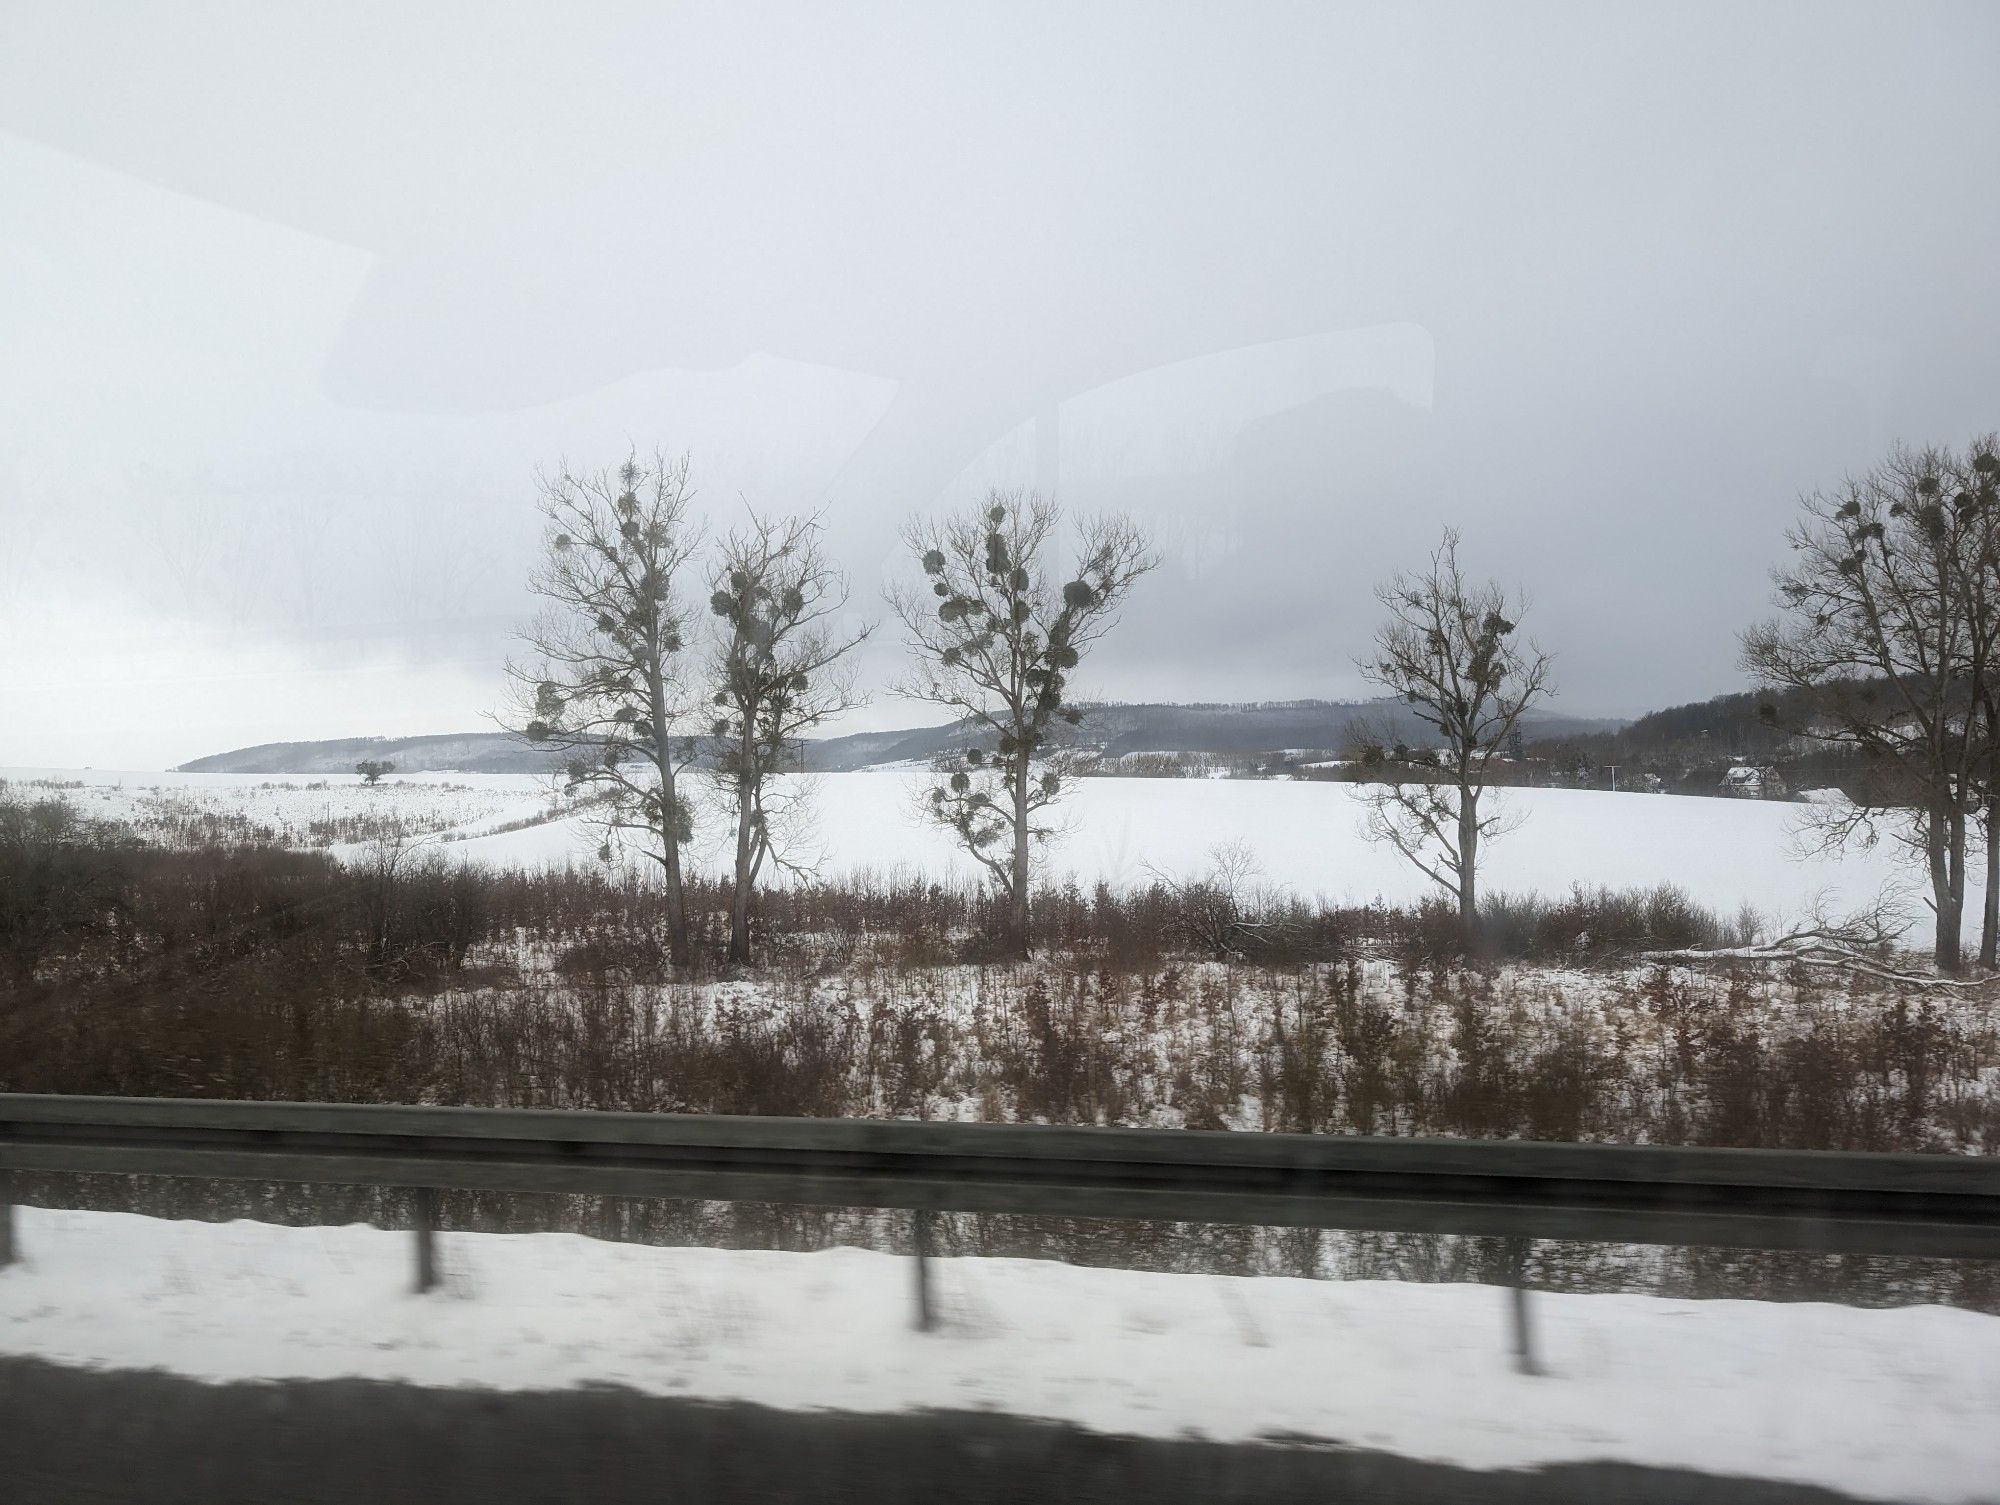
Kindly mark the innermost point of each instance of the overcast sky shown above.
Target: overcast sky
(294, 300)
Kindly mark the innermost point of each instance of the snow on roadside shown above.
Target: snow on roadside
(1881, 1403)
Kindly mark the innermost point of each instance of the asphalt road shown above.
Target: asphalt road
(77, 1436)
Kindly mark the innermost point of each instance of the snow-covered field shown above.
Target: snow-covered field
(1892, 1404)
(1306, 835)
(296, 810)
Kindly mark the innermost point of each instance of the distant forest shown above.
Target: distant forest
(1689, 748)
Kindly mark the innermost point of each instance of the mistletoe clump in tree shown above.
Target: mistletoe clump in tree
(995, 638)
(776, 671)
(607, 677)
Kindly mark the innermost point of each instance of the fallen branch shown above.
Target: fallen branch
(1833, 958)
(1215, 910)
(1858, 945)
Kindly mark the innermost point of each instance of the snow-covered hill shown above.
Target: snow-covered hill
(1112, 729)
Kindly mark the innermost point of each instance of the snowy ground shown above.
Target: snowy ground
(296, 810)
(1306, 835)
(1894, 1404)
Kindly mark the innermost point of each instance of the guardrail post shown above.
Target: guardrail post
(1524, 1336)
(6, 1233)
(426, 1222)
(922, 1235)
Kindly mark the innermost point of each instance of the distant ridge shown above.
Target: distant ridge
(1244, 727)
(463, 752)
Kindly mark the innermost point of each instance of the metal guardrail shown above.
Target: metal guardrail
(1825, 1202)
(1828, 1202)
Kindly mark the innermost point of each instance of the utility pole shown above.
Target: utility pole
(1614, 776)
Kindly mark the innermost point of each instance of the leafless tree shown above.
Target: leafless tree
(1976, 477)
(372, 770)
(994, 636)
(1221, 912)
(1890, 624)
(1451, 652)
(607, 677)
(776, 672)
(380, 871)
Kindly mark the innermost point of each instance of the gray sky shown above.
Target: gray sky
(294, 300)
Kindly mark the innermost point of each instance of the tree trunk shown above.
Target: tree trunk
(1017, 901)
(1989, 919)
(678, 950)
(1957, 875)
(1468, 868)
(1944, 852)
(739, 909)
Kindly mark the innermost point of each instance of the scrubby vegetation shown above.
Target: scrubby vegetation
(137, 969)
(133, 968)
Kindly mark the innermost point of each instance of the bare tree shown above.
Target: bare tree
(776, 671)
(1975, 490)
(1889, 624)
(1450, 651)
(1223, 912)
(607, 680)
(373, 769)
(995, 638)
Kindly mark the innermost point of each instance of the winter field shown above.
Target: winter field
(1306, 836)
(1884, 1404)
(865, 1003)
